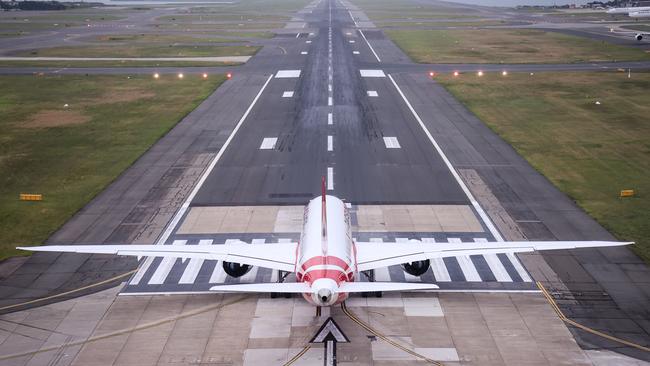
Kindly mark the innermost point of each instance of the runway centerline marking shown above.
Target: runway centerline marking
(287, 94)
(179, 214)
(356, 52)
(372, 93)
(330, 143)
(330, 119)
(329, 101)
(330, 178)
(486, 220)
(268, 143)
(303, 52)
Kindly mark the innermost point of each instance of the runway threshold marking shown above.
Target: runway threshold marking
(372, 73)
(268, 143)
(287, 94)
(391, 142)
(372, 93)
(486, 220)
(181, 211)
(283, 74)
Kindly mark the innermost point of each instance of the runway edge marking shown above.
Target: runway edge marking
(208, 170)
(475, 204)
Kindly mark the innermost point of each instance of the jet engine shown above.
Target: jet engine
(236, 269)
(417, 268)
(639, 36)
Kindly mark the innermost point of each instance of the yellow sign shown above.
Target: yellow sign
(627, 193)
(31, 197)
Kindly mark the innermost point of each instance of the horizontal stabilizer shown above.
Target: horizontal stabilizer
(384, 286)
(285, 287)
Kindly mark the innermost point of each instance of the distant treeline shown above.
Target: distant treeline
(43, 5)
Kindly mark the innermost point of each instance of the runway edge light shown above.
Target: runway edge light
(229, 75)
(30, 197)
(627, 193)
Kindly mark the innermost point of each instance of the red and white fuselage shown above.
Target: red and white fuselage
(325, 254)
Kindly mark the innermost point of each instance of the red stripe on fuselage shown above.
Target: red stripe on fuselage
(320, 260)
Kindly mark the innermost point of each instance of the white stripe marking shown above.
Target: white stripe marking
(372, 93)
(287, 74)
(193, 267)
(307, 41)
(303, 52)
(164, 267)
(218, 274)
(141, 271)
(356, 52)
(497, 268)
(179, 214)
(351, 41)
(369, 46)
(391, 142)
(330, 178)
(438, 265)
(519, 268)
(330, 119)
(329, 101)
(372, 73)
(467, 266)
(268, 143)
(329, 87)
(287, 94)
(330, 143)
(451, 168)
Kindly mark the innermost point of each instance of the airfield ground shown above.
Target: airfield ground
(71, 153)
(590, 151)
(407, 190)
(507, 46)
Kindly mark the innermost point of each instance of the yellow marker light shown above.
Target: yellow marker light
(30, 197)
(156, 76)
(627, 193)
(180, 75)
(205, 76)
(480, 73)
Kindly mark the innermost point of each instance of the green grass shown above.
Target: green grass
(62, 17)
(507, 46)
(118, 120)
(416, 24)
(408, 9)
(218, 26)
(158, 38)
(199, 18)
(124, 63)
(142, 51)
(589, 151)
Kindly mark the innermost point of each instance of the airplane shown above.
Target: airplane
(327, 261)
(627, 10)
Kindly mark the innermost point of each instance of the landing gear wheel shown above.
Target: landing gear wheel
(287, 295)
(379, 294)
(274, 295)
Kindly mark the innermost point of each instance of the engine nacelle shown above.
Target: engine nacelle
(236, 269)
(417, 268)
(639, 36)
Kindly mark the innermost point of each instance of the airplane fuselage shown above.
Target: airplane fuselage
(326, 256)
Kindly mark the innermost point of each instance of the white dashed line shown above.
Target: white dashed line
(308, 42)
(330, 143)
(330, 119)
(329, 87)
(303, 52)
(287, 94)
(329, 101)
(268, 143)
(355, 52)
(372, 93)
(372, 73)
(330, 178)
(351, 41)
(283, 74)
(391, 142)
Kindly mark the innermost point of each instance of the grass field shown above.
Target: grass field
(123, 63)
(218, 26)
(205, 18)
(142, 51)
(507, 46)
(637, 27)
(589, 151)
(424, 23)
(408, 9)
(181, 38)
(70, 154)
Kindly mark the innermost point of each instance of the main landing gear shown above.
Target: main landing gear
(370, 275)
(282, 275)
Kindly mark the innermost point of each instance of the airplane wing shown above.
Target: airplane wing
(280, 256)
(376, 255)
(302, 287)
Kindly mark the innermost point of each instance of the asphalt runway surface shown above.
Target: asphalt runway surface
(605, 288)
